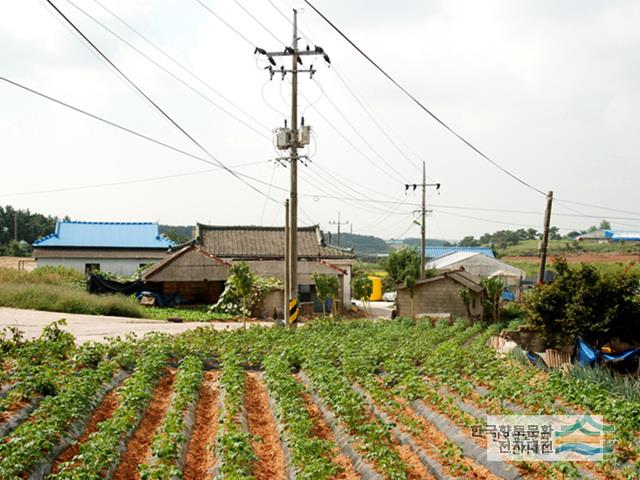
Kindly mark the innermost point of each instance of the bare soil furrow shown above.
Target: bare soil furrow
(262, 425)
(104, 411)
(138, 448)
(201, 449)
(323, 431)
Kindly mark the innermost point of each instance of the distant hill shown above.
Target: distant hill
(369, 245)
(178, 233)
(361, 244)
(432, 242)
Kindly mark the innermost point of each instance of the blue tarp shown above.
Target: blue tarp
(587, 355)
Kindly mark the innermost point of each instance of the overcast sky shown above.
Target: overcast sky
(546, 88)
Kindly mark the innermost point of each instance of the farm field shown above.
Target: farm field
(331, 400)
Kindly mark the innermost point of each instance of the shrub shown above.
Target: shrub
(60, 298)
(399, 265)
(582, 301)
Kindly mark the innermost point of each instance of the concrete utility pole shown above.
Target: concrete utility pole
(423, 212)
(545, 238)
(292, 139)
(285, 310)
(339, 223)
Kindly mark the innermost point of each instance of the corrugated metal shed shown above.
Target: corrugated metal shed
(69, 234)
(439, 251)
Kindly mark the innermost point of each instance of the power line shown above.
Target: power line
(124, 129)
(121, 182)
(178, 79)
(273, 35)
(227, 24)
(181, 65)
(425, 109)
(152, 102)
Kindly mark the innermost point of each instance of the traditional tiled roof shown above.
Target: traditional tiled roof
(69, 234)
(264, 242)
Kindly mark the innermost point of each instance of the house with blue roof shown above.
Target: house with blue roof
(115, 247)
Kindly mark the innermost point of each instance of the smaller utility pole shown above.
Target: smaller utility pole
(545, 238)
(287, 270)
(423, 212)
(339, 223)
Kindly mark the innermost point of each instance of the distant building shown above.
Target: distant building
(481, 266)
(610, 236)
(115, 247)
(441, 295)
(440, 251)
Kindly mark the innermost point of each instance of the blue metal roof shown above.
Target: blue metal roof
(435, 252)
(105, 235)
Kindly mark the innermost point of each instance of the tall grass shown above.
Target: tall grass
(49, 274)
(65, 298)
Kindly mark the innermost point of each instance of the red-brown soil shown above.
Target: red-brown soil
(581, 258)
(138, 448)
(201, 449)
(262, 425)
(100, 414)
(12, 410)
(323, 431)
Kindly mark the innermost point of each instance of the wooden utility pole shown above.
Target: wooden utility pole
(293, 138)
(423, 214)
(339, 223)
(545, 238)
(285, 310)
(423, 223)
(293, 214)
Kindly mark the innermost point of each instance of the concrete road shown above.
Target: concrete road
(96, 327)
(378, 309)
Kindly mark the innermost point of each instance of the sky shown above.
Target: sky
(546, 89)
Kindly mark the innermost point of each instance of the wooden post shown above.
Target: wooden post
(545, 238)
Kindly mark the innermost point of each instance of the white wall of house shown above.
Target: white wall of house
(118, 266)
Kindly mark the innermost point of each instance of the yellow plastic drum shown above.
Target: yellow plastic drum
(376, 291)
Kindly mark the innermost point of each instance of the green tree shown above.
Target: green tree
(469, 241)
(583, 301)
(465, 296)
(399, 264)
(410, 284)
(362, 287)
(242, 280)
(327, 286)
(605, 225)
(493, 296)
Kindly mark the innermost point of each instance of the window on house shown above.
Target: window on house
(91, 267)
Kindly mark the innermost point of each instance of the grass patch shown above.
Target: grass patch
(50, 275)
(67, 299)
(187, 314)
(566, 247)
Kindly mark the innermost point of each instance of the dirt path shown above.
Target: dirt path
(262, 425)
(323, 431)
(200, 452)
(97, 327)
(104, 411)
(138, 447)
